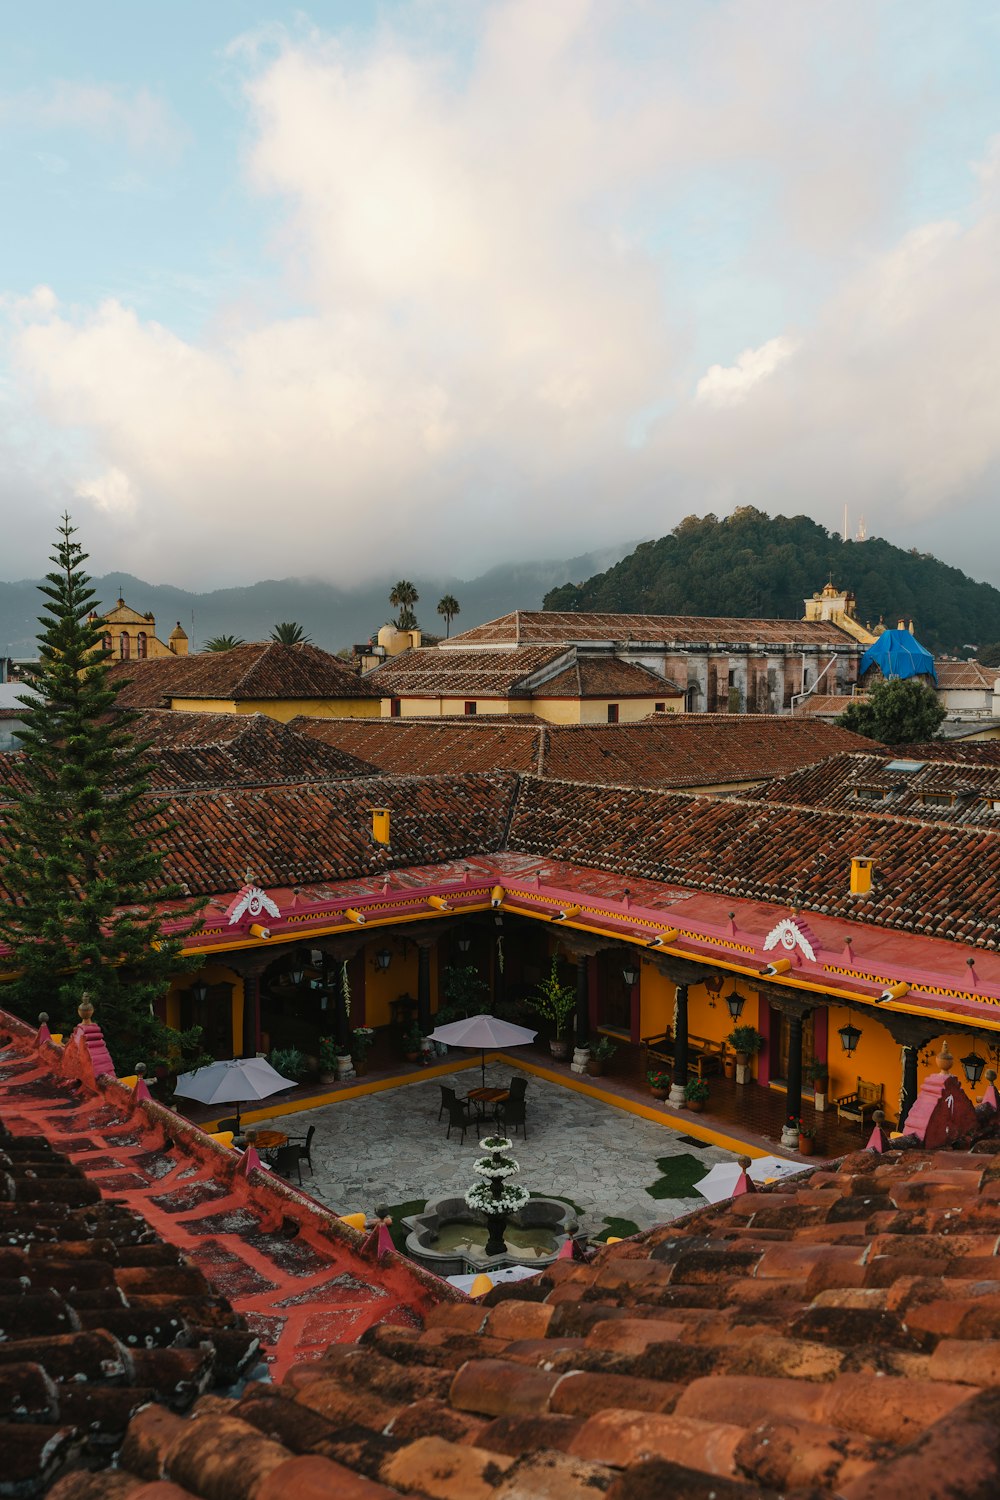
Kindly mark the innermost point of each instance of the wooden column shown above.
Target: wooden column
(680, 1075)
(582, 1000)
(908, 1092)
(424, 986)
(251, 1015)
(795, 1065)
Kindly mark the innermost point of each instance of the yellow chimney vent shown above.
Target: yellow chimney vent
(497, 895)
(439, 903)
(380, 825)
(861, 875)
(257, 931)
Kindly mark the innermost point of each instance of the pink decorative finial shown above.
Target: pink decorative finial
(744, 1183)
(878, 1140)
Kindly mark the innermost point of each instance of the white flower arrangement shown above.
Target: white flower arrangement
(510, 1198)
(495, 1166)
(497, 1143)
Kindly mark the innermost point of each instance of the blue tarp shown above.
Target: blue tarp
(897, 654)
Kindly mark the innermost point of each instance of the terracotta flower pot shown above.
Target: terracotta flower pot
(696, 1105)
(659, 1093)
(595, 1067)
(806, 1145)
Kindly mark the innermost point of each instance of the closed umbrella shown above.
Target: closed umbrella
(723, 1177)
(483, 1032)
(232, 1082)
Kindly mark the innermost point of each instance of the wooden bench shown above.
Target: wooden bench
(865, 1098)
(704, 1056)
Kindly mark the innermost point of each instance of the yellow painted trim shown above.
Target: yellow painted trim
(673, 1120)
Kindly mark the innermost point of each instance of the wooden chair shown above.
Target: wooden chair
(865, 1098)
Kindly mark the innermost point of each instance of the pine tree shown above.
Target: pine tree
(80, 845)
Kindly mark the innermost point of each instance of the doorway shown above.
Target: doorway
(780, 1033)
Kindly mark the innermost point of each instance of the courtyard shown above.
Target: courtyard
(389, 1147)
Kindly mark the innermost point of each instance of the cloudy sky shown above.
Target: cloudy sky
(423, 286)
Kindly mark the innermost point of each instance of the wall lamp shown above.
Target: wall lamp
(735, 1001)
(383, 959)
(630, 976)
(973, 1065)
(850, 1036)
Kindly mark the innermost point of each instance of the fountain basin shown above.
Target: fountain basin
(449, 1238)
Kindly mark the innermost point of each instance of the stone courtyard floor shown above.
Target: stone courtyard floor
(388, 1147)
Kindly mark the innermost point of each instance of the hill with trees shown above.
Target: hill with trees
(755, 565)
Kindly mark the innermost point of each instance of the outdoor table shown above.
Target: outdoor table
(481, 1098)
(266, 1141)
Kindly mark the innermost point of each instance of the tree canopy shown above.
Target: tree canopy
(448, 608)
(900, 711)
(290, 633)
(223, 642)
(403, 597)
(81, 859)
(752, 564)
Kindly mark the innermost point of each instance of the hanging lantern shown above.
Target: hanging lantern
(850, 1036)
(199, 992)
(464, 944)
(735, 1002)
(972, 1066)
(383, 959)
(297, 972)
(630, 976)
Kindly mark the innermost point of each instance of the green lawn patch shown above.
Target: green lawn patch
(678, 1176)
(399, 1212)
(620, 1227)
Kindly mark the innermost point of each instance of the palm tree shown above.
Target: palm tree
(290, 633)
(449, 607)
(403, 597)
(224, 642)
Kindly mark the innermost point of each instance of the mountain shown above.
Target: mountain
(764, 566)
(332, 616)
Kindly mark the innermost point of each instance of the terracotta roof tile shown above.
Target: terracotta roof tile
(932, 791)
(525, 627)
(430, 672)
(261, 670)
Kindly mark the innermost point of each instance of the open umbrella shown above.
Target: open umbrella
(483, 1032)
(723, 1177)
(232, 1081)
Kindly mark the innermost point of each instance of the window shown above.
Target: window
(395, 708)
(124, 646)
(870, 793)
(612, 713)
(660, 708)
(106, 642)
(470, 707)
(936, 799)
(140, 645)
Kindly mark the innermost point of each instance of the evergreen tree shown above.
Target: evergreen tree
(81, 862)
(901, 711)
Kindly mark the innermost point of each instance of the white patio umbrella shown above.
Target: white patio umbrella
(232, 1082)
(724, 1176)
(483, 1032)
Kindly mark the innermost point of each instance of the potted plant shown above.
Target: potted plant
(746, 1042)
(807, 1138)
(818, 1074)
(328, 1054)
(413, 1043)
(695, 1093)
(289, 1062)
(362, 1041)
(465, 991)
(659, 1082)
(556, 1002)
(601, 1054)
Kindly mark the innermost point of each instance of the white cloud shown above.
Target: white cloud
(137, 117)
(489, 312)
(726, 385)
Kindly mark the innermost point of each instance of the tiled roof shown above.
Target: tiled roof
(535, 627)
(969, 675)
(607, 677)
(829, 705)
(431, 672)
(143, 1261)
(938, 881)
(968, 752)
(936, 791)
(667, 750)
(833, 1337)
(193, 750)
(311, 834)
(265, 669)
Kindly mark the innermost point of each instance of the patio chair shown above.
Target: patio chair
(230, 1123)
(511, 1112)
(304, 1143)
(447, 1096)
(287, 1159)
(516, 1088)
(462, 1114)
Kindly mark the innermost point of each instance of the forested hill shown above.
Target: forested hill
(764, 566)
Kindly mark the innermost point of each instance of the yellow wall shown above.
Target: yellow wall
(381, 986)
(282, 709)
(879, 1059)
(436, 708)
(552, 710)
